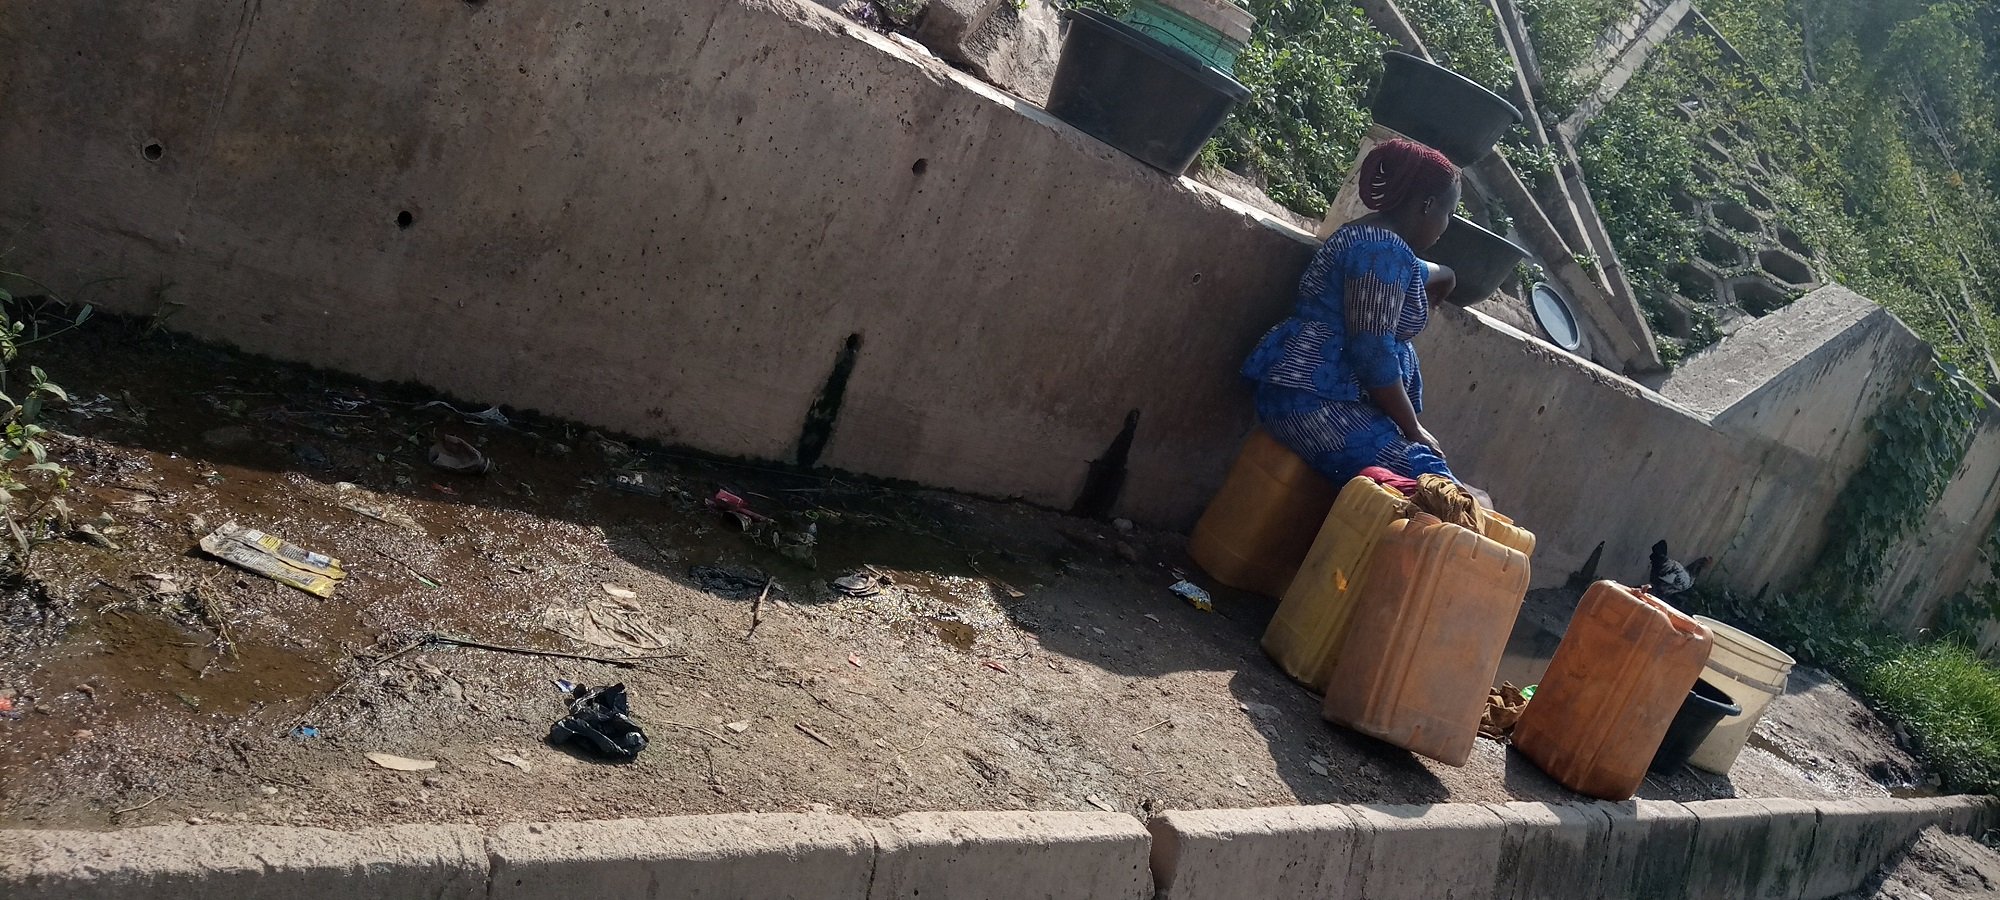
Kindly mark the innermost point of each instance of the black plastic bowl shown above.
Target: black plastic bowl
(1482, 259)
(1705, 707)
(1155, 102)
(1437, 107)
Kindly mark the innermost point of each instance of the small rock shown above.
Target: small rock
(738, 727)
(1241, 781)
(269, 790)
(819, 807)
(1124, 526)
(433, 782)
(1126, 551)
(196, 820)
(1317, 768)
(399, 801)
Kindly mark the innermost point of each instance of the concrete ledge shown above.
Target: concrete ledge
(1751, 849)
(1052, 855)
(1425, 852)
(1279, 853)
(729, 856)
(1651, 848)
(1552, 851)
(1547, 851)
(243, 862)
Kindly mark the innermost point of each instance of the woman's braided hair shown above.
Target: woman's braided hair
(1399, 171)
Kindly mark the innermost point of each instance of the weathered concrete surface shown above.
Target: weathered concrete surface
(1552, 851)
(185, 862)
(1751, 849)
(1425, 852)
(1016, 48)
(1856, 837)
(1570, 449)
(1278, 853)
(669, 220)
(1041, 855)
(754, 857)
(664, 219)
(1650, 849)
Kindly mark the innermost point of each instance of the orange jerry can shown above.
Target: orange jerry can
(1620, 674)
(1259, 526)
(1424, 640)
(1306, 633)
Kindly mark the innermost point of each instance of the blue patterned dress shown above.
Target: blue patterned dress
(1361, 301)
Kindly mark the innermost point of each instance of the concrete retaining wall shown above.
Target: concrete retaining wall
(1546, 851)
(677, 220)
(1549, 851)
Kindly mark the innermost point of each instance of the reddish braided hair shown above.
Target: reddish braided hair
(1399, 171)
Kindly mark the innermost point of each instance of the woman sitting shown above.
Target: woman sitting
(1338, 381)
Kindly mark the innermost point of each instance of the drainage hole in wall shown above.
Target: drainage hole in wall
(403, 219)
(153, 151)
(918, 167)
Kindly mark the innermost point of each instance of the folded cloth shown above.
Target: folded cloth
(1386, 478)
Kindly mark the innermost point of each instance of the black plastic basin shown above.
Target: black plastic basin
(1482, 259)
(1440, 108)
(1155, 102)
(1705, 707)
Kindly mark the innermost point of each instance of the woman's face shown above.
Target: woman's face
(1433, 221)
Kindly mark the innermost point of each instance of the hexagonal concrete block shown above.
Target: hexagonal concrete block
(1736, 217)
(1698, 280)
(1794, 272)
(1790, 240)
(1724, 251)
(1757, 294)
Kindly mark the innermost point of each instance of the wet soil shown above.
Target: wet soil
(1008, 657)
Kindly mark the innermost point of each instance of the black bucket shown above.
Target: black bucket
(1481, 259)
(1704, 708)
(1155, 102)
(1440, 108)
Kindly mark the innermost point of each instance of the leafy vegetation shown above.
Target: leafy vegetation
(1877, 137)
(1564, 33)
(31, 485)
(1946, 696)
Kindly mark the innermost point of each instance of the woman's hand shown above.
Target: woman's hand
(1424, 437)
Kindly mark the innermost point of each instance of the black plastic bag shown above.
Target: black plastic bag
(600, 721)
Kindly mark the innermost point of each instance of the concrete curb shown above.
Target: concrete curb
(1638, 849)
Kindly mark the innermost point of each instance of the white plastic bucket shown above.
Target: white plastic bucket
(1752, 673)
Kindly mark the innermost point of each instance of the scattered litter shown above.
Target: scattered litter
(401, 763)
(1504, 705)
(612, 622)
(645, 484)
(305, 732)
(513, 759)
(622, 593)
(859, 584)
(488, 416)
(91, 534)
(1100, 803)
(1151, 727)
(160, 583)
(355, 498)
(1186, 590)
(274, 558)
(717, 580)
(600, 720)
(455, 454)
(995, 665)
(8, 708)
(1012, 592)
(809, 732)
(427, 580)
(726, 502)
(738, 727)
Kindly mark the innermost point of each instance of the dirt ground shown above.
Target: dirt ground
(1015, 658)
(1938, 866)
